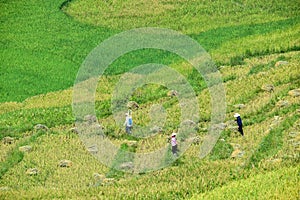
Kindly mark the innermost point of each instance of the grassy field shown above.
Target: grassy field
(45, 39)
(253, 43)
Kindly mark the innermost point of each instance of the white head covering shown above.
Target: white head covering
(236, 115)
(173, 134)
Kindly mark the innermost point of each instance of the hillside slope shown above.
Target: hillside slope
(43, 43)
(255, 46)
(270, 148)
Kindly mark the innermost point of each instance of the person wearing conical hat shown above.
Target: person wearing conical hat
(174, 144)
(239, 123)
(128, 123)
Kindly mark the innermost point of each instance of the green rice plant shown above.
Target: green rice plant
(103, 108)
(56, 53)
(46, 47)
(278, 76)
(122, 156)
(234, 33)
(236, 51)
(290, 152)
(126, 15)
(267, 110)
(261, 67)
(16, 122)
(237, 60)
(221, 150)
(272, 143)
(149, 93)
(15, 156)
(55, 147)
(278, 184)
(229, 78)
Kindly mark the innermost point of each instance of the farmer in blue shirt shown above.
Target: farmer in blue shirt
(239, 123)
(128, 123)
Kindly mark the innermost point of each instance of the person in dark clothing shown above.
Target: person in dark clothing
(239, 123)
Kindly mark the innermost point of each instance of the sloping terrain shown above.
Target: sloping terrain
(270, 146)
(255, 45)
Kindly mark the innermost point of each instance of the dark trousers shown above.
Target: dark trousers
(128, 129)
(241, 130)
(174, 149)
